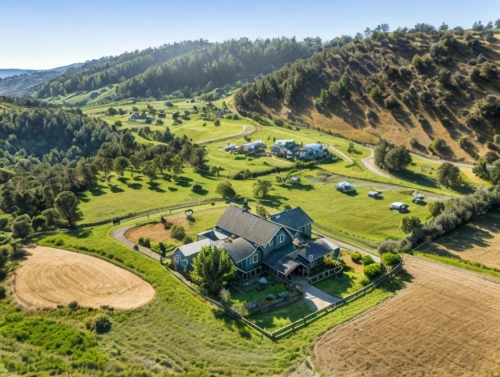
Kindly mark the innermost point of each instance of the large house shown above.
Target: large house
(280, 245)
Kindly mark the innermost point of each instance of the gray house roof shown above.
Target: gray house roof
(238, 248)
(318, 249)
(293, 218)
(244, 224)
(194, 247)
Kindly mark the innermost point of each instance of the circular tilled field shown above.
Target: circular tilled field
(51, 277)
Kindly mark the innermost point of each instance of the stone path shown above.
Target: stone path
(315, 298)
(119, 235)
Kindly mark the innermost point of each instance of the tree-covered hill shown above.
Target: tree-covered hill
(185, 68)
(105, 71)
(434, 91)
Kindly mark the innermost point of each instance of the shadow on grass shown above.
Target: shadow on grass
(80, 233)
(155, 186)
(233, 325)
(98, 191)
(123, 179)
(138, 178)
(273, 201)
(201, 192)
(183, 181)
(420, 179)
(135, 186)
(115, 189)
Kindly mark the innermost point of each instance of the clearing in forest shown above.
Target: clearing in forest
(445, 323)
(51, 277)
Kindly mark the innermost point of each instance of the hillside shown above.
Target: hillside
(20, 82)
(427, 91)
(180, 69)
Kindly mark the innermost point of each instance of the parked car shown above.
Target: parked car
(398, 206)
(345, 187)
(374, 194)
(418, 199)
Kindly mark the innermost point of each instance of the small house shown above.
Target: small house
(284, 143)
(183, 256)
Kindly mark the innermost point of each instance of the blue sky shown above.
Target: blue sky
(48, 33)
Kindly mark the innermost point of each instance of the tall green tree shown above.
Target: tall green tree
(410, 223)
(120, 164)
(226, 190)
(213, 269)
(261, 188)
(448, 175)
(398, 159)
(66, 204)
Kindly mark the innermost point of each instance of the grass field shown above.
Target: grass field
(355, 217)
(444, 323)
(177, 332)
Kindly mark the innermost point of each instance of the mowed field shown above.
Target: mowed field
(51, 277)
(478, 241)
(444, 323)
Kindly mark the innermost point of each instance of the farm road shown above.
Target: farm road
(119, 235)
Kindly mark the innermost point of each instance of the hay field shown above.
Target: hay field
(478, 241)
(51, 277)
(445, 323)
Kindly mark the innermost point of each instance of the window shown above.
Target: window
(281, 238)
(255, 258)
(177, 258)
(270, 243)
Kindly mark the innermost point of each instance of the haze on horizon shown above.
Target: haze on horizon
(53, 33)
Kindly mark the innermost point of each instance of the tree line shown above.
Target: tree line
(47, 152)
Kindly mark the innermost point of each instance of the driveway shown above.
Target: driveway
(369, 163)
(119, 235)
(315, 298)
(341, 154)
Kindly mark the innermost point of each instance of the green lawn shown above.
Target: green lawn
(254, 295)
(343, 285)
(200, 130)
(178, 332)
(276, 319)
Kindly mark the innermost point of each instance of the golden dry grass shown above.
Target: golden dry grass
(445, 323)
(476, 242)
(51, 277)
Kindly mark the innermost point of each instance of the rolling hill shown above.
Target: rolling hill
(433, 92)
(178, 70)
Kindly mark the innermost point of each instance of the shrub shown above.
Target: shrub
(356, 257)
(73, 305)
(102, 324)
(391, 259)
(435, 208)
(147, 243)
(187, 239)
(136, 247)
(372, 271)
(387, 246)
(178, 232)
(3, 293)
(39, 222)
(367, 259)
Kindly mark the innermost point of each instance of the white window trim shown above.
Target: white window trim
(281, 238)
(177, 258)
(255, 258)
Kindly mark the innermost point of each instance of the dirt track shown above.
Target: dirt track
(50, 277)
(445, 323)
